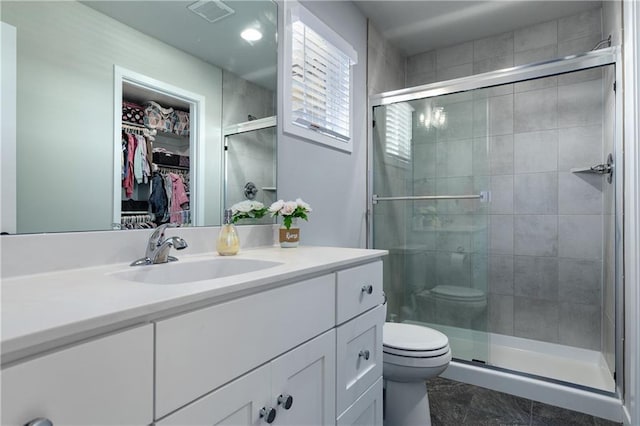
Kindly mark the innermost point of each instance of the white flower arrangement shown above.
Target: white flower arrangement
(247, 209)
(290, 210)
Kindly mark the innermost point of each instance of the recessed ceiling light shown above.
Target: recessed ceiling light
(251, 34)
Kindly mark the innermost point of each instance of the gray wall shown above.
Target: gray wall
(386, 68)
(235, 93)
(333, 182)
(66, 54)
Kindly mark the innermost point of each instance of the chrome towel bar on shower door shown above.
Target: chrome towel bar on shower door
(484, 197)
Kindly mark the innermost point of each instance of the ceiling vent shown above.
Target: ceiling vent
(211, 10)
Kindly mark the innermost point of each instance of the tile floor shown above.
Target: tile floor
(459, 404)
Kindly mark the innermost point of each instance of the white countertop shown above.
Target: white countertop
(43, 311)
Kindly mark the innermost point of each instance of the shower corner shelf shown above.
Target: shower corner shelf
(580, 170)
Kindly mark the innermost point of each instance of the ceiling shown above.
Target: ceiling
(413, 26)
(421, 25)
(218, 43)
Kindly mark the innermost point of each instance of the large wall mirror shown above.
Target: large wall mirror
(97, 80)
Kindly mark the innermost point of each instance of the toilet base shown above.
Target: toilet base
(406, 404)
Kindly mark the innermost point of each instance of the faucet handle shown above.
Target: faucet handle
(157, 237)
(159, 232)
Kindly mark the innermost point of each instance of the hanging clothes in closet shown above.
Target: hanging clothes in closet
(135, 161)
(162, 181)
(179, 199)
(158, 201)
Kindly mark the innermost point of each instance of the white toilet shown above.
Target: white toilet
(452, 305)
(411, 355)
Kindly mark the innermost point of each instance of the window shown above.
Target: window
(318, 89)
(399, 132)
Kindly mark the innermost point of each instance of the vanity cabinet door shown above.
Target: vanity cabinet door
(367, 410)
(303, 383)
(107, 381)
(239, 403)
(359, 356)
(295, 389)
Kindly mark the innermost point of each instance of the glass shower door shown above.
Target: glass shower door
(527, 281)
(430, 212)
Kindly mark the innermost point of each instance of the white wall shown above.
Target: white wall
(8, 125)
(66, 54)
(333, 182)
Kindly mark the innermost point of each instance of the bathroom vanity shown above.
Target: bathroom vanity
(296, 342)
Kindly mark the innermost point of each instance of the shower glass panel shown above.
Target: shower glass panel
(250, 164)
(501, 226)
(435, 225)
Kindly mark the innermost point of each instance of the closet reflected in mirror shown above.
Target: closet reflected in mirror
(70, 170)
(158, 145)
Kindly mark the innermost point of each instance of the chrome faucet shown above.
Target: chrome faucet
(158, 247)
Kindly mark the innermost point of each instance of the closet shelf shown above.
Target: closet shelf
(169, 166)
(169, 135)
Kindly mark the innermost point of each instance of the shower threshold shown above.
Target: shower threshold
(563, 363)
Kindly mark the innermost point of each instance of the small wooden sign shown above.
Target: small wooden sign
(289, 235)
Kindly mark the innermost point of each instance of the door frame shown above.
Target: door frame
(196, 138)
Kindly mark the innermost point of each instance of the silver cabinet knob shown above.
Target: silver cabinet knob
(364, 354)
(268, 414)
(367, 289)
(286, 401)
(40, 421)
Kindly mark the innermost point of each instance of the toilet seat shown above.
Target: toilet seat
(415, 354)
(457, 293)
(427, 362)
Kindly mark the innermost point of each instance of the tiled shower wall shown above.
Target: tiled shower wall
(547, 40)
(545, 223)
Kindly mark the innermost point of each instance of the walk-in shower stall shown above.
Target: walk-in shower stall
(498, 198)
(250, 163)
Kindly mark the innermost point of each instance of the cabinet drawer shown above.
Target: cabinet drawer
(367, 410)
(202, 350)
(357, 340)
(107, 381)
(358, 290)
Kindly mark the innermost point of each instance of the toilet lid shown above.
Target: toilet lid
(409, 337)
(458, 293)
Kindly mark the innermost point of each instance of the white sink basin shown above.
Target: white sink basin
(186, 272)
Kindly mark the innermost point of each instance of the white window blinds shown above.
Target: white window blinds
(320, 85)
(399, 130)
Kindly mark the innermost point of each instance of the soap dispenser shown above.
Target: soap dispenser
(228, 242)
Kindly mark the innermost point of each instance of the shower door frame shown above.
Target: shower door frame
(573, 63)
